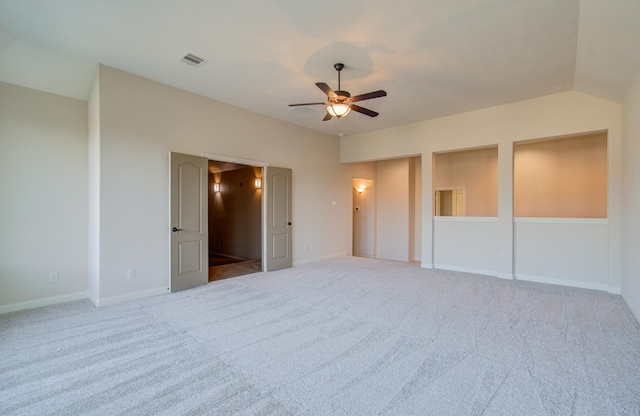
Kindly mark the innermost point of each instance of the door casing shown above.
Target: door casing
(266, 211)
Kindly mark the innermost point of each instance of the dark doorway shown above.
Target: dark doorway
(235, 203)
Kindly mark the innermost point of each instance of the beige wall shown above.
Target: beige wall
(477, 171)
(43, 183)
(121, 140)
(631, 199)
(549, 116)
(141, 121)
(561, 178)
(394, 224)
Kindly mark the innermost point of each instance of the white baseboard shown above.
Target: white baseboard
(614, 290)
(562, 282)
(130, 296)
(92, 299)
(633, 313)
(37, 303)
(426, 265)
(472, 270)
(403, 260)
(506, 276)
(316, 259)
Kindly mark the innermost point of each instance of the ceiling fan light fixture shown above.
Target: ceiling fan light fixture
(338, 110)
(340, 103)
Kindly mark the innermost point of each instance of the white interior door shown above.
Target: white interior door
(279, 250)
(189, 222)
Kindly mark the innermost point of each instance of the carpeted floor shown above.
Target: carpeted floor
(350, 336)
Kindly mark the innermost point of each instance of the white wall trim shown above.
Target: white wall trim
(316, 259)
(614, 290)
(92, 299)
(391, 258)
(130, 296)
(465, 219)
(426, 266)
(37, 303)
(562, 220)
(506, 276)
(231, 159)
(562, 282)
(493, 273)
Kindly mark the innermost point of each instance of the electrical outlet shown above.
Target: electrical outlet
(131, 273)
(53, 277)
(503, 256)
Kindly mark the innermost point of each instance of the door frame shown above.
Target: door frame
(436, 200)
(263, 202)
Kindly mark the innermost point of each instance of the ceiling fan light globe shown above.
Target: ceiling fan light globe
(338, 110)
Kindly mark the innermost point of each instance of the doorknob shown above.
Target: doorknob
(175, 230)
(289, 223)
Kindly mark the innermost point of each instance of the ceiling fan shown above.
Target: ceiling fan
(340, 103)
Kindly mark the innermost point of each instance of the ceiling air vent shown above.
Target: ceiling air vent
(193, 60)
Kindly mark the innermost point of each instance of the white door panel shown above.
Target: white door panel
(279, 226)
(189, 222)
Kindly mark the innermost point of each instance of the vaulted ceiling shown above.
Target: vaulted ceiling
(433, 57)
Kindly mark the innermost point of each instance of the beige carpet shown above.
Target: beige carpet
(349, 336)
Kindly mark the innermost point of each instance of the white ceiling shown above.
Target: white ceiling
(433, 57)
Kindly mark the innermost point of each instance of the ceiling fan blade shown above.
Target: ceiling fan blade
(326, 89)
(369, 95)
(327, 117)
(297, 105)
(363, 110)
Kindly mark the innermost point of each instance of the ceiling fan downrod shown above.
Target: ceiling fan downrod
(339, 67)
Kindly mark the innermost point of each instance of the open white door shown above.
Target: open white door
(279, 252)
(189, 222)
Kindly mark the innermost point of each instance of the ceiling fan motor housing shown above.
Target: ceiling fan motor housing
(342, 95)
